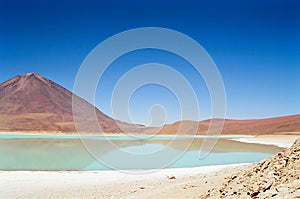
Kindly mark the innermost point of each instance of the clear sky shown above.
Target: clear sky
(255, 44)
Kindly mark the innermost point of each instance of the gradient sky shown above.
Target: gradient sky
(255, 44)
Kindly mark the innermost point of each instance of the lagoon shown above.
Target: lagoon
(70, 152)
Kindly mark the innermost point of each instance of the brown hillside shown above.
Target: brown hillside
(247, 127)
(33, 103)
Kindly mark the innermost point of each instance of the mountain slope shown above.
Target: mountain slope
(231, 127)
(33, 103)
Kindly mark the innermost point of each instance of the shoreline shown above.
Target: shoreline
(284, 141)
(41, 133)
(7, 135)
(133, 134)
(107, 184)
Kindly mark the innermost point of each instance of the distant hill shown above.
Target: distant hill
(31, 102)
(247, 127)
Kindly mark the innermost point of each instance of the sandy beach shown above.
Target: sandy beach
(113, 184)
(171, 183)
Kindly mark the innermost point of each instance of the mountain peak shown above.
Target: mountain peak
(32, 102)
(29, 74)
(36, 75)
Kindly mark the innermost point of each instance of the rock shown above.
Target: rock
(278, 177)
(171, 177)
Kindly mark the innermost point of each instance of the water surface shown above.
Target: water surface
(39, 152)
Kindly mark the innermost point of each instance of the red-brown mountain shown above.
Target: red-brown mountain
(276, 125)
(34, 103)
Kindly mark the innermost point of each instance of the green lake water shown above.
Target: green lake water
(39, 152)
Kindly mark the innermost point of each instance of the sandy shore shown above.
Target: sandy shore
(284, 140)
(113, 184)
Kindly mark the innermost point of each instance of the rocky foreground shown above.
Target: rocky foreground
(276, 177)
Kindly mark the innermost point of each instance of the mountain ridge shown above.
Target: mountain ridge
(283, 124)
(32, 102)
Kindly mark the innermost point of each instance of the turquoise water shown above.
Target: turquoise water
(188, 159)
(112, 137)
(39, 152)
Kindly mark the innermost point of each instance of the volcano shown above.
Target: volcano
(32, 102)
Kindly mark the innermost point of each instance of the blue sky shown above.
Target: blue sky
(255, 44)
